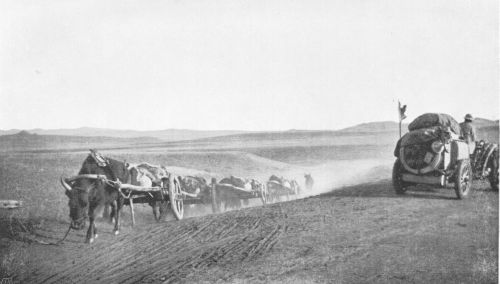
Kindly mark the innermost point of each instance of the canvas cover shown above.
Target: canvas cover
(428, 120)
(236, 181)
(276, 179)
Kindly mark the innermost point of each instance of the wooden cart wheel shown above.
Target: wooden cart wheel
(270, 193)
(213, 193)
(263, 194)
(175, 196)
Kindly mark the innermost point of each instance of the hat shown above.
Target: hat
(469, 117)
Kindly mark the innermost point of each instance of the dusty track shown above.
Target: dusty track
(358, 234)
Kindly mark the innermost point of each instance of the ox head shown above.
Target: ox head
(308, 176)
(81, 191)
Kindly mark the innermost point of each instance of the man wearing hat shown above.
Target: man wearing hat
(468, 132)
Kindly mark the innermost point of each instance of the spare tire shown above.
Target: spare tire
(413, 159)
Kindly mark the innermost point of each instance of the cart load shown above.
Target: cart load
(279, 186)
(230, 191)
(196, 189)
(145, 174)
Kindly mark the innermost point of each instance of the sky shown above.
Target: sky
(245, 65)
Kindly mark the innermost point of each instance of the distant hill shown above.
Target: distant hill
(272, 135)
(387, 126)
(165, 135)
(380, 133)
(291, 139)
(487, 129)
(24, 140)
(481, 122)
(379, 126)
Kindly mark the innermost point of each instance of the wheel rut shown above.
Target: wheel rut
(170, 251)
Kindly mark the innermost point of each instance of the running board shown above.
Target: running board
(440, 180)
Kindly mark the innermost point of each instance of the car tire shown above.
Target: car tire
(493, 178)
(399, 185)
(493, 165)
(494, 182)
(463, 179)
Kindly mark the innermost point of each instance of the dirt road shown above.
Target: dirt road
(357, 234)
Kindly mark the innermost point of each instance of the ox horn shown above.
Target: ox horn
(65, 184)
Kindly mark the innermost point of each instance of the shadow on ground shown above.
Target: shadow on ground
(384, 189)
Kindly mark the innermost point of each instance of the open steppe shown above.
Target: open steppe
(351, 228)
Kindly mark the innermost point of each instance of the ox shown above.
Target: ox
(309, 181)
(91, 189)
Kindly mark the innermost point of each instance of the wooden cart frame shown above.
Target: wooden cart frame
(277, 189)
(219, 189)
(169, 191)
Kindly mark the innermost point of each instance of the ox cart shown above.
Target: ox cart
(229, 192)
(136, 183)
(154, 185)
(281, 187)
(195, 190)
(178, 191)
(167, 192)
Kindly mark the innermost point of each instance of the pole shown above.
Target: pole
(399, 115)
(131, 199)
(400, 128)
(401, 112)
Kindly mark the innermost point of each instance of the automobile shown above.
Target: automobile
(433, 153)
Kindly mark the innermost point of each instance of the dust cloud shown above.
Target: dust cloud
(337, 174)
(327, 177)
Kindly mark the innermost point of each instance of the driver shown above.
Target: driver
(468, 132)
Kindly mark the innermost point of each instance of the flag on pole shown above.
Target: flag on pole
(402, 110)
(402, 115)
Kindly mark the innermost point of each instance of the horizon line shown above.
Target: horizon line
(209, 130)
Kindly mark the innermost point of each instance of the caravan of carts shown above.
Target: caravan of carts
(431, 153)
(154, 185)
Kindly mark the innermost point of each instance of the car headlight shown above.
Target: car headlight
(437, 147)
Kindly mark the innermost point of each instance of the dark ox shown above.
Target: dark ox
(309, 181)
(91, 189)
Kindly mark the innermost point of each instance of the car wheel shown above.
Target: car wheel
(463, 179)
(493, 176)
(494, 181)
(397, 182)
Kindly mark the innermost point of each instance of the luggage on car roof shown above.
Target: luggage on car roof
(428, 120)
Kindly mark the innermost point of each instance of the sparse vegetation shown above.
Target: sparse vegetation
(316, 232)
